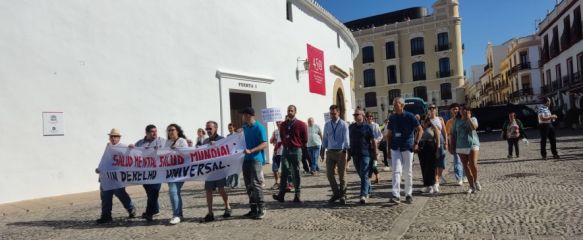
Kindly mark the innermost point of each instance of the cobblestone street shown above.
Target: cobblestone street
(525, 198)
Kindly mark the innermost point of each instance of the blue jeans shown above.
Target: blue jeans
(233, 181)
(458, 168)
(175, 198)
(362, 166)
(314, 153)
(107, 201)
(152, 191)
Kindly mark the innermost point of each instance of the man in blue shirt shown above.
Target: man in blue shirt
(336, 141)
(403, 135)
(256, 140)
(362, 144)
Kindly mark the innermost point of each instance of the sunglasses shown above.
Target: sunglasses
(208, 129)
(171, 130)
(432, 107)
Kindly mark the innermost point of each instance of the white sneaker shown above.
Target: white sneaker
(460, 183)
(175, 220)
(436, 188)
(426, 189)
(465, 179)
(431, 190)
(386, 169)
(363, 200)
(471, 190)
(478, 186)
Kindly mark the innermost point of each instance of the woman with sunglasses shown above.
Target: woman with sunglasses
(465, 142)
(176, 139)
(438, 122)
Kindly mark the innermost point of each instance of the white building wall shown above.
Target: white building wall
(126, 64)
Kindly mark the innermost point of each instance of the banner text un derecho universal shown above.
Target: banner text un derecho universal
(122, 166)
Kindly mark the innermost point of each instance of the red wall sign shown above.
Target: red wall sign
(316, 72)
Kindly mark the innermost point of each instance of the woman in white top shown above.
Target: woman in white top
(176, 139)
(438, 122)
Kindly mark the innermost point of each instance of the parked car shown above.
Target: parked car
(493, 117)
(416, 105)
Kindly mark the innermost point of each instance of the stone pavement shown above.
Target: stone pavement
(525, 198)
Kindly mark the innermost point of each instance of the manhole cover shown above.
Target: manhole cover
(521, 175)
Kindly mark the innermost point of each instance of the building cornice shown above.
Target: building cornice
(396, 27)
(237, 76)
(313, 6)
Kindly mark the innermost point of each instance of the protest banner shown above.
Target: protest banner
(327, 116)
(271, 115)
(121, 166)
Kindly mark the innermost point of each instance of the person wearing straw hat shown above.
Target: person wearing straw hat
(120, 193)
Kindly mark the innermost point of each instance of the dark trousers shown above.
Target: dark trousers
(253, 184)
(107, 201)
(428, 163)
(290, 167)
(306, 160)
(547, 131)
(513, 142)
(385, 157)
(152, 191)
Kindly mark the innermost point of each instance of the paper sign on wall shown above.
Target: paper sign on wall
(53, 124)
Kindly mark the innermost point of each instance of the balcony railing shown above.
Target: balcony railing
(521, 92)
(564, 83)
(442, 47)
(444, 74)
(523, 66)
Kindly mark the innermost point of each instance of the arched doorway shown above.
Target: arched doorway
(340, 103)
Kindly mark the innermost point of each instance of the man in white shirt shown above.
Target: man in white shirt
(547, 130)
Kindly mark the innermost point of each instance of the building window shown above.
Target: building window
(557, 75)
(390, 50)
(370, 99)
(369, 78)
(442, 42)
(394, 94)
(445, 91)
(418, 71)
(417, 46)
(549, 78)
(288, 8)
(523, 58)
(444, 70)
(576, 28)
(367, 54)
(391, 74)
(555, 49)
(420, 92)
(566, 36)
(545, 52)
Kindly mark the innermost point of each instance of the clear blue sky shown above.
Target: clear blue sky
(483, 21)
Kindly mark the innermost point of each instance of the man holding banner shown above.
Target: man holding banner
(120, 193)
(151, 140)
(210, 186)
(256, 141)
